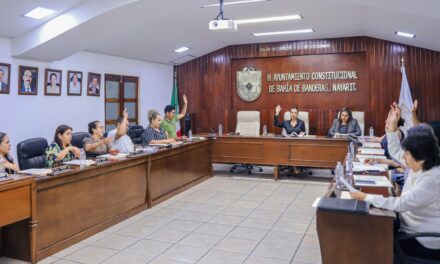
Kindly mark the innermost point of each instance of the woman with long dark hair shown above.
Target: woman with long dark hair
(345, 124)
(60, 149)
(5, 148)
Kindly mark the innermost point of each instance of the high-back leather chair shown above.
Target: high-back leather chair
(77, 139)
(248, 123)
(360, 117)
(31, 153)
(303, 115)
(135, 133)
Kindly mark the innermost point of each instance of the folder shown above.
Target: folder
(343, 205)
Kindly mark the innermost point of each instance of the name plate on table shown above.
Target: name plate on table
(135, 153)
(100, 161)
(59, 170)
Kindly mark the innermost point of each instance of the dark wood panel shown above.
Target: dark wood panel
(208, 81)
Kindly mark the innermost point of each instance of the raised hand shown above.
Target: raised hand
(414, 109)
(278, 109)
(125, 113)
(185, 100)
(393, 118)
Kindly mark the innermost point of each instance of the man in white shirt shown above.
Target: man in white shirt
(122, 141)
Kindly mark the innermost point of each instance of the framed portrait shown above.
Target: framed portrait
(93, 84)
(27, 80)
(52, 82)
(74, 83)
(5, 78)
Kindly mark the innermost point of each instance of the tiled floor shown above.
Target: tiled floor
(224, 220)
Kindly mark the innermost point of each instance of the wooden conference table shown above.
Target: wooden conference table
(308, 151)
(77, 204)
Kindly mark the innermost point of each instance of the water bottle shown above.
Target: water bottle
(349, 169)
(2, 166)
(265, 130)
(371, 131)
(190, 134)
(284, 132)
(339, 172)
(220, 130)
(82, 158)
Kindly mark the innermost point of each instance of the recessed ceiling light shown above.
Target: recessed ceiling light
(39, 13)
(236, 3)
(406, 35)
(268, 19)
(182, 49)
(299, 31)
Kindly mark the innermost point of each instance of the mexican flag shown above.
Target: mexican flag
(175, 103)
(405, 101)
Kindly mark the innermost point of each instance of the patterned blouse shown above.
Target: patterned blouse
(52, 152)
(152, 134)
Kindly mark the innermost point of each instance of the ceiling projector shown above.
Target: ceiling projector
(222, 25)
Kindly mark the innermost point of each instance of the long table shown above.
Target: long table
(356, 238)
(308, 151)
(17, 205)
(77, 204)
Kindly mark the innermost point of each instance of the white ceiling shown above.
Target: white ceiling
(151, 29)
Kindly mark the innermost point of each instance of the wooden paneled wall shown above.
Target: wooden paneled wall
(209, 82)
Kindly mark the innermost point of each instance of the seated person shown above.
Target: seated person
(5, 148)
(122, 142)
(419, 203)
(96, 144)
(345, 124)
(154, 133)
(293, 125)
(383, 139)
(169, 122)
(60, 150)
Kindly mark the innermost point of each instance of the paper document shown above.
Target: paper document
(41, 172)
(111, 156)
(371, 180)
(348, 185)
(371, 145)
(372, 151)
(177, 143)
(78, 162)
(316, 202)
(362, 157)
(359, 166)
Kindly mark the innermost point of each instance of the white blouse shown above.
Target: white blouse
(419, 202)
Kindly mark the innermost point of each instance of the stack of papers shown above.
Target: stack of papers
(78, 162)
(359, 166)
(362, 157)
(345, 195)
(372, 151)
(371, 145)
(371, 180)
(114, 157)
(40, 172)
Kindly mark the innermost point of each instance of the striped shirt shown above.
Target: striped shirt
(152, 134)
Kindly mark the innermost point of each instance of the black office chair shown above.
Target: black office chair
(404, 258)
(135, 133)
(31, 153)
(78, 137)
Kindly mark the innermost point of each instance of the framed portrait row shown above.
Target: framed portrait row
(28, 81)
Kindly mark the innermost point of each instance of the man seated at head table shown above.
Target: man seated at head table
(5, 147)
(418, 206)
(169, 122)
(96, 144)
(154, 133)
(345, 124)
(121, 141)
(61, 150)
(294, 125)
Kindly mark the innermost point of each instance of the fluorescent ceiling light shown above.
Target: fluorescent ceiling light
(406, 35)
(39, 13)
(236, 3)
(268, 19)
(299, 31)
(182, 49)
